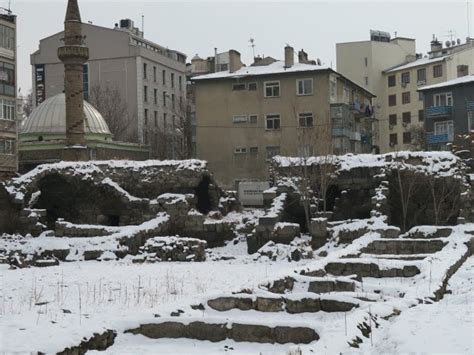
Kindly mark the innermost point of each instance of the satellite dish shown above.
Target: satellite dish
(458, 41)
(318, 61)
(448, 44)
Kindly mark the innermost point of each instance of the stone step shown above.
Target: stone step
(215, 330)
(292, 303)
(326, 285)
(404, 257)
(369, 268)
(404, 246)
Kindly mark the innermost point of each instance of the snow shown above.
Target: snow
(421, 61)
(277, 67)
(458, 81)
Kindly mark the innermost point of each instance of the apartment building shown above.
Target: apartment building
(364, 62)
(247, 115)
(150, 78)
(402, 116)
(8, 100)
(449, 112)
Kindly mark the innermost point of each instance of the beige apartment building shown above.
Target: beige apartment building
(8, 103)
(393, 71)
(402, 116)
(149, 77)
(247, 115)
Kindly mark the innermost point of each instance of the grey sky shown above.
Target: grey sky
(198, 26)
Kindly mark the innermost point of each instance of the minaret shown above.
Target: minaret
(74, 54)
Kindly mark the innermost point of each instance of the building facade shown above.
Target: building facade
(364, 62)
(449, 112)
(247, 115)
(402, 107)
(151, 79)
(8, 103)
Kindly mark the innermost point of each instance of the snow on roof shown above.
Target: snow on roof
(458, 81)
(416, 63)
(277, 67)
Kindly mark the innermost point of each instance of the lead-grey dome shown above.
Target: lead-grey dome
(49, 118)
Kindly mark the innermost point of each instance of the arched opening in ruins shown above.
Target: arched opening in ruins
(204, 204)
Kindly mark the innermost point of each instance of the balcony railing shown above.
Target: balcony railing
(470, 105)
(341, 132)
(354, 136)
(432, 138)
(438, 111)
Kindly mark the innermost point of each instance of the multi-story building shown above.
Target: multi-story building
(449, 112)
(150, 78)
(8, 103)
(402, 115)
(247, 115)
(364, 62)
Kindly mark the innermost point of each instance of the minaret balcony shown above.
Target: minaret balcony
(73, 54)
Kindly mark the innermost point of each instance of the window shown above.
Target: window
(406, 137)
(305, 119)
(392, 81)
(7, 37)
(470, 121)
(406, 78)
(145, 116)
(273, 122)
(437, 71)
(173, 101)
(421, 76)
(406, 98)
(272, 151)
(252, 86)
(156, 118)
(224, 67)
(272, 89)
(392, 120)
(444, 127)
(366, 61)
(180, 82)
(144, 70)
(421, 96)
(393, 139)
(7, 146)
(406, 117)
(238, 87)
(421, 115)
(392, 100)
(181, 103)
(304, 86)
(154, 74)
(7, 109)
(305, 150)
(253, 150)
(163, 76)
(85, 81)
(444, 99)
(239, 119)
(253, 119)
(145, 93)
(172, 80)
(145, 137)
(165, 120)
(155, 96)
(366, 80)
(240, 151)
(164, 98)
(332, 88)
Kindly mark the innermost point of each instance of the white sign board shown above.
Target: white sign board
(251, 193)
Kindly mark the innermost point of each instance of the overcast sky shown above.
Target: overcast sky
(199, 26)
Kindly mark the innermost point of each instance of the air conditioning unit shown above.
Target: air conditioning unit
(392, 144)
(421, 82)
(405, 124)
(391, 127)
(404, 85)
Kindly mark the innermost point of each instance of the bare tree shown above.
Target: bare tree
(445, 196)
(418, 134)
(113, 107)
(28, 104)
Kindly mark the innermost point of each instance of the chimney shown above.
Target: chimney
(289, 56)
(436, 45)
(303, 57)
(234, 61)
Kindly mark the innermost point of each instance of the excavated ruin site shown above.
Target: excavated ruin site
(154, 257)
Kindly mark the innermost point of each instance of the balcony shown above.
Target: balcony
(341, 132)
(438, 111)
(470, 105)
(432, 138)
(355, 136)
(7, 126)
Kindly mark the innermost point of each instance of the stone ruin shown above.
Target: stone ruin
(113, 208)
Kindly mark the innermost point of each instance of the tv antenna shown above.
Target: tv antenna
(468, 12)
(252, 44)
(451, 34)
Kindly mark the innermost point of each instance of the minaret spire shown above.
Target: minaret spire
(74, 54)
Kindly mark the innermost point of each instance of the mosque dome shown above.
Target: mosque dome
(48, 121)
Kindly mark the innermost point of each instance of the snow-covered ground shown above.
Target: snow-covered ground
(49, 309)
(445, 327)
